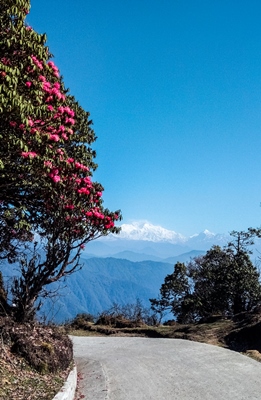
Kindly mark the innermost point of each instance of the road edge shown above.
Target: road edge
(67, 392)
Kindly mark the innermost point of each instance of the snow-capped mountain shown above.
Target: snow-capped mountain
(145, 231)
(205, 238)
(148, 232)
(151, 242)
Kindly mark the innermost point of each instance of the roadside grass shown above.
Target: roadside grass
(35, 360)
(19, 381)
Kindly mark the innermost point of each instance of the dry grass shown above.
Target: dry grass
(31, 366)
(19, 382)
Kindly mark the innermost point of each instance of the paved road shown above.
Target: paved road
(132, 368)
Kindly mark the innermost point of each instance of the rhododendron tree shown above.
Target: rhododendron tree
(46, 163)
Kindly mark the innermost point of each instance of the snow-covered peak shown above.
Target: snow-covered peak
(206, 233)
(148, 232)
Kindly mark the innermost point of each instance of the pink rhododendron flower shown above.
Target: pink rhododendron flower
(48, 164)
(87, 180)
(42, 78)
(55, 138)
(56, 178)
(70, 121)
(37, 62)
(28, 84)
(109, 225)
(83, 191)
(61, 109)
(61, 128)
(27, 154)
(64, 136)
(70, 160)
(82, 246)
(57, 85)
(55, 91)
(50, 108)
(46, 86)
(30, 122)
(12, 123)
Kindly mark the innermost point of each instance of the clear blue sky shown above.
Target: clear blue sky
(174, 90)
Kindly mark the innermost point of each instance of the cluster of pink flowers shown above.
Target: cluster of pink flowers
(36, 62)
(51, 90)
(30, 154)
(57, 126)
(83, 190)
(81, 166)
(54, 137)
(54, 68)
(48, 164)
(109, 223)
(54, 175)
(97, 218)
(66, 110)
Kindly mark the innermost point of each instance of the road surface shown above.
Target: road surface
(134, 368)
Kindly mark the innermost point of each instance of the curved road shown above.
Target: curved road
(134, 368)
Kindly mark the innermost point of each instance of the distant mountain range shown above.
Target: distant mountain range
(122, 268)
(144, 241)
(149, 232)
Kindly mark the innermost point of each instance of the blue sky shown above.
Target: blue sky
(174, 91)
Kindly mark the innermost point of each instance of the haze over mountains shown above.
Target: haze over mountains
(143, 241)
(121, 268)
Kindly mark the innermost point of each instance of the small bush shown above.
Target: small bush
(130, 315)
(81, 321)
